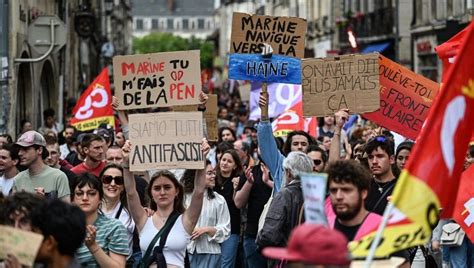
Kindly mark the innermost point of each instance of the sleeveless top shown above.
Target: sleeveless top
(175, 247)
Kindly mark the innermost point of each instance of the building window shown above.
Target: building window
(154, 24)
(185, 24)
(208, 25)
(169, 24)
(200, 23)
(139, 24)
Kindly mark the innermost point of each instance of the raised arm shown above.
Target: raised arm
(268, 147)
(335, 149)
(138, 212)
(191, 215)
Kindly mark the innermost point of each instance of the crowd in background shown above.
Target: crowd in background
(77, 190)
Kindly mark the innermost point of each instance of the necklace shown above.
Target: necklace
(381, 187)
(161, 218)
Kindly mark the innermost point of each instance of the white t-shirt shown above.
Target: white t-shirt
(6, 185)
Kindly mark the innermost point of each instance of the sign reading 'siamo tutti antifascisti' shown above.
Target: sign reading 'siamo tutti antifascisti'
(166, 140)
(157, 79)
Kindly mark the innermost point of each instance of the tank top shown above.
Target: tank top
(175, 247)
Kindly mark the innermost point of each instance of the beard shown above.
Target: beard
(351, 212)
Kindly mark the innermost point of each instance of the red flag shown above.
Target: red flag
(94, 107)
(431, 177)
(292, 119)
(464, 208)
(448, 51)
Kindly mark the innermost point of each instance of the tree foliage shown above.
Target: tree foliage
(163, 42)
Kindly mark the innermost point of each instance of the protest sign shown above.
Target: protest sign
(94, 107)
(22, 244)
(157, 80)
(405, 99)
(314, 193)
(331, 84)
(281, 97)
(286, 35)
(166, 140)
(256, 67)
(210, 115)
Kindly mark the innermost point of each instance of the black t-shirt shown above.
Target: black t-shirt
(226, 189)
(348, 231)
(258, 197)
(375, 195)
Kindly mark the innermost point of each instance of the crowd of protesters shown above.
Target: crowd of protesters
(241, 210)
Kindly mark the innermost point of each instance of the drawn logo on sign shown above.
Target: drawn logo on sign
(87, 110)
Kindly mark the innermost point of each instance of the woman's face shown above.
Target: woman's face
(227, 136)
(227, 163)
(87, 199)
(210, 177)
(112, 181)
(163, 192)
(402, 158)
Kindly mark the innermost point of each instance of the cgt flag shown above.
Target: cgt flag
(431, 178)
(94, 107)
(464, 209)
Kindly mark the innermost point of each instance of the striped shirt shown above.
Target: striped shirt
(111, 237)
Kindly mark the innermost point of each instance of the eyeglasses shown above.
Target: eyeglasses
(107, 179)
(317, 162)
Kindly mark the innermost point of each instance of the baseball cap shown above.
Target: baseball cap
(313, 244)
(31, 138)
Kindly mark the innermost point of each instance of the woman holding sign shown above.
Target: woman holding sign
(170, 217)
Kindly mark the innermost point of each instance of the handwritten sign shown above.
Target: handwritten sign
(405, 99)
(23, 245)
(157, 80)
(166, 140)
(210, 115)
(331, 84)
(314, 192)
(257, 68)
(286, 35)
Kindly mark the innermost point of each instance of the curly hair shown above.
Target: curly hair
(349, 171)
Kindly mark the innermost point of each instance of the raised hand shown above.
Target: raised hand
(341, 117)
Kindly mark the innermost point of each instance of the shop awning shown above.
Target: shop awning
(375, 48)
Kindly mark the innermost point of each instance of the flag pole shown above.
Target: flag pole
(378, 235)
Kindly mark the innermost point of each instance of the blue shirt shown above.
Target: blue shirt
(270, 154)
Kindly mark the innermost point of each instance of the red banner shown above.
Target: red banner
(292, 119)
(431, 177)
(94, 107)
(464, 208)
(405, 99)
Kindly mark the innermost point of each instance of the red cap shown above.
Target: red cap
(313, 244)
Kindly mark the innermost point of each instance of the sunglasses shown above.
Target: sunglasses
(378, 139)
(107, 179)
(317, 162)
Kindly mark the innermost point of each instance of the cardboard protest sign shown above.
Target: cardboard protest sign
(157, 80)
(166, 140)
(405, 99)
(331, 84)
(22, 244)
(210, 115)
(258, 68)
(286, 35)
(314, 193)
